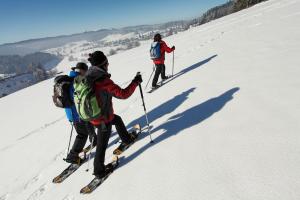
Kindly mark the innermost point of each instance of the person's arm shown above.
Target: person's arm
(166, 48)
(118, 92)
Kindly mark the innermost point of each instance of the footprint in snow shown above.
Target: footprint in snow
(36, 194)
(59, 156)
(4, 197)
(32, 181)
(68, 197)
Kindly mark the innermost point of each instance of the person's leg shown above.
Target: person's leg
(156, 75)
(82, 135)
(121, 129)
(92, 134)
(103, 134)
(163, 71)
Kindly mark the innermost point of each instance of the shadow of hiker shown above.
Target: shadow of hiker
(165, 108)
(186, 119)
(190, 68)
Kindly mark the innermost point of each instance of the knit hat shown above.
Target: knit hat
(157, 37)
(81, 65)
(97, 59)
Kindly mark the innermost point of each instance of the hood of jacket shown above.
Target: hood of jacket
(95, 74)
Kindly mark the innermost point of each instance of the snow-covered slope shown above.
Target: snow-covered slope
(225, 127)
(114, 37)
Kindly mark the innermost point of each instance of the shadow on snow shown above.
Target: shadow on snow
(181, 121)
(162, 110)
(190, 68)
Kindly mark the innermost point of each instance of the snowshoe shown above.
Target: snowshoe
(123, 146)
(72, 167)
(97, 181)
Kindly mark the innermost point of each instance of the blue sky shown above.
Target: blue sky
(28, 19)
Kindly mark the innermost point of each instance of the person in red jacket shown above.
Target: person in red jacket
(160, 68)
(99, 78)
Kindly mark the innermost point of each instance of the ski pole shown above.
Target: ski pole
(69, 140)
(88, 164)
(146, 114)
(173, 65)
(150, 77)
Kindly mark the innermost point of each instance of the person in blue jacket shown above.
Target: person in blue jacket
(83, 129)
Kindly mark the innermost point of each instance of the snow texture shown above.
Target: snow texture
(226, 126)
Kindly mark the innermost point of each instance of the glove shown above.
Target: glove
(138, 79)
(173, 48)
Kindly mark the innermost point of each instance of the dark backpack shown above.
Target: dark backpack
(61, 94)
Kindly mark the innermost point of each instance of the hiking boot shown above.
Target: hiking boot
(165, 78)
(74, 159)
(133, 136)
(154, 86)
(123, 146)
(108, 169)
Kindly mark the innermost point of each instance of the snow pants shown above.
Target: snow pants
(103, 135)
(83, 129)
(160, 69)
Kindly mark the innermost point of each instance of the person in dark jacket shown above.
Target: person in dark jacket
(105, 89)
(83, 129)
(160, 68)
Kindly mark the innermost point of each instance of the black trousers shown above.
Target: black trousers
(159, 70)
(103, 135)
(121, 129)
(83, 129)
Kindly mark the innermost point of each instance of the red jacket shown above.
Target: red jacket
(105, 90)
(163, 48)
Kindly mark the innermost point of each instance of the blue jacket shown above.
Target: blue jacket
(71, 112)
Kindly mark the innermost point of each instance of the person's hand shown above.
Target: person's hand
(173, 48)
(138, 79)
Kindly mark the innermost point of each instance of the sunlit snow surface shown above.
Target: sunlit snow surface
(226, 127)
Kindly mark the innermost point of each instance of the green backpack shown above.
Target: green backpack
(85, 100)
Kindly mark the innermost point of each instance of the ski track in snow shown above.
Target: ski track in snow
(59, 155)
(255, 25)
(32, 133)
(40, 128)
(203, 44)
(69, 197)
(32, 181)
(38, 193)
(6, 147)
(4, 197)
(290, 15)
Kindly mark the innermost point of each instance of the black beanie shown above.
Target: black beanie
(97, 58)
(157, 37)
